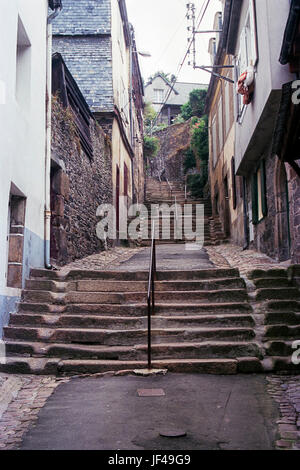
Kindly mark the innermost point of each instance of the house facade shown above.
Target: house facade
(226, 187)
(23, 50)
(95, 41)
(157, 91)
(252, 39)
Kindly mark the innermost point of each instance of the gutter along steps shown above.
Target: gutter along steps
(88, 322)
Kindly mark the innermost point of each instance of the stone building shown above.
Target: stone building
(23, 175)
(157, 90)
(266, 217)
(81, 170)
(96, 42)
(226, 188)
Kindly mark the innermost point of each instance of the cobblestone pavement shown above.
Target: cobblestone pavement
(21, 398)
(285, 390)
(101, 261)
(245, 260)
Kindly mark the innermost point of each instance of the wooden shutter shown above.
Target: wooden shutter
(254, 199)
(253, 29)
(264, 204)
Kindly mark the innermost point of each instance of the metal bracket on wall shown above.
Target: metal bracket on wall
(216, 74)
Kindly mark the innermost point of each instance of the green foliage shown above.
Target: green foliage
(199, 141)
(189, 161)
(195, 106)
(149, 116)
(197, 182)
(167, 76)
(151, 147)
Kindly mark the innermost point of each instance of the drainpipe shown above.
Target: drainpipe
(131, 110)
(47, 220)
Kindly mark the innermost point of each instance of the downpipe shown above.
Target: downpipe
(47, 213)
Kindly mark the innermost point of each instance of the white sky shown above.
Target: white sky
(161, 29)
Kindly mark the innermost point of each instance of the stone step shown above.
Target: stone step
(279, 347)
(282, 331)
(56, 366)
(268, 273)
(210, 349)
(288, 318)
(114, 322)
(283, 305)
(138, 308)
(211, 273)
(125, 337)
(223, 295)
(278, 293)
(272, 282)
(139, 286)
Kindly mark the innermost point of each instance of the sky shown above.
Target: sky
(161, 29)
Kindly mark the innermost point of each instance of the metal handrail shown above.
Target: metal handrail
(151, 291)
(170, 188)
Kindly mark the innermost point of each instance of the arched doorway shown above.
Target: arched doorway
(282, 236)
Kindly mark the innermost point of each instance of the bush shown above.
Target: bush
(151, 147)
(197, 182)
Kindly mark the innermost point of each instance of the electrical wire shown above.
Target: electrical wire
(198, 21)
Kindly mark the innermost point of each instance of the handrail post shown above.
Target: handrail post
(151, 291)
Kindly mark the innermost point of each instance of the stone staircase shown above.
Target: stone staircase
(94, 322)
(158, 193)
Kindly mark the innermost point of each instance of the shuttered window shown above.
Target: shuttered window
(259, 194)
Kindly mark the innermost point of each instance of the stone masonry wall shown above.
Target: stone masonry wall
(78, 186)
(174, 141)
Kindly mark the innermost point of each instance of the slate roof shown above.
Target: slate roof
(82, 17)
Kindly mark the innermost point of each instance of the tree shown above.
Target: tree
(195, 106)
(170, 78)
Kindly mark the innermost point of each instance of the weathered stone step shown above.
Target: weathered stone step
(268, 273)
(160, 296)
(282, 331)
(49, 366)
(279, 347)
(283, 305)
(272, 282)
(194, 350)
(125, 337)
(128, 297)
(138, 308)
(115, 322)
(288, 318)
(160, 286)
(211, 273)
(278, 293)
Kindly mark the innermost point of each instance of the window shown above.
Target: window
(23, 66)
(248, 53)
(227, 108)
(259, 195)
(158, 95)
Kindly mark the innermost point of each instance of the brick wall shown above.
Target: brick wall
(174, 141)
(79, 185)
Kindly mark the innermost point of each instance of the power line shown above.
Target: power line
(199, 20)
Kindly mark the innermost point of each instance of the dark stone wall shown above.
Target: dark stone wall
(78, 186)
(174, 141)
